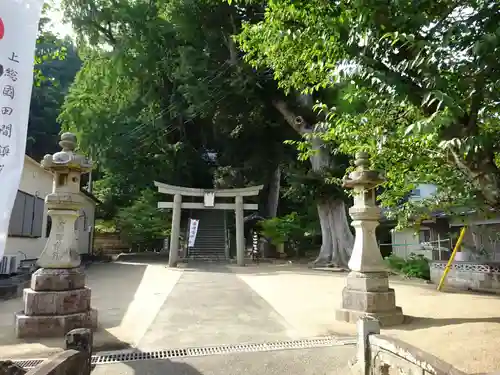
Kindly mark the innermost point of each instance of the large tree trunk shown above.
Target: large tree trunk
(273, 196)
(337, 238)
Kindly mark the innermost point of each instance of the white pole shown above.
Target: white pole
(439, 247)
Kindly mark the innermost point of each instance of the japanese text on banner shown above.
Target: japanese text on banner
(17, 50)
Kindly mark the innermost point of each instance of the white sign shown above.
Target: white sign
(193, 230)
(18, 32)
(209, 198)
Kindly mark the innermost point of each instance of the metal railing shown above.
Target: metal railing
(433, 250)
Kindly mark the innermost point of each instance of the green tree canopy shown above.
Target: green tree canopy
(164, 96)
(56, 64)
(426, 71)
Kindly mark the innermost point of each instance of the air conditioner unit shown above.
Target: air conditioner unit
(8, 265)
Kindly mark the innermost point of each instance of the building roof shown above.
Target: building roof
(35, 163)
(90, 195)
(82, 190)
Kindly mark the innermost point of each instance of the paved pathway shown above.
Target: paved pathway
(210, 305)
(319, 361)
(153, 307)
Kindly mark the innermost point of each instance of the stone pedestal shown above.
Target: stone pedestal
(367, 293)
(58, 300)
(56, 303)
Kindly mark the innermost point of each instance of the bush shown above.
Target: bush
(282, 229)
(142, 224)
(289, 230)
(105, 226)
(414, 266)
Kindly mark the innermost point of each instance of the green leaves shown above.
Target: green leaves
(164, 95)
(56, 63)
(422, 76)
(142, 223)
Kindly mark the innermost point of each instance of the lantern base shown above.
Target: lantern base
(368, 294)
(56, 303)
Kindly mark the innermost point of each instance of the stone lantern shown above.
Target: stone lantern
(367, 292)
(58, 300)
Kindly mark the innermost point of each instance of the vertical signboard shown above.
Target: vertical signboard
(18, 32)
(193, 231)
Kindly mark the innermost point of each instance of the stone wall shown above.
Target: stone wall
(481, 277)
(109, 244)
(381, 355)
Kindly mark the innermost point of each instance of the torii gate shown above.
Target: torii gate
(208, 203)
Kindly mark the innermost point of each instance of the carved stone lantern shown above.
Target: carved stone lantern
(63, 204)
(58, 300)
(367, 292)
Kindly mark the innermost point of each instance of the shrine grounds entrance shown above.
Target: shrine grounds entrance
(209, 202)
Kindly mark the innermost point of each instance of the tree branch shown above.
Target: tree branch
(106, 32)
(296, 122)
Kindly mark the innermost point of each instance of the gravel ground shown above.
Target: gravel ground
(460, 328)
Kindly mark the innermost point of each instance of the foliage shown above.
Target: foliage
(176, 95)
(105, 226)
(414, 266)
(56, 64)
(288, 228)
(142, 223)
(425, 73)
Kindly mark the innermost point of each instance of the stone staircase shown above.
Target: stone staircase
(210, 240)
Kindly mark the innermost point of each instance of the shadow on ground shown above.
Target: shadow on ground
(150, 367)
(417, 322)
(113, 288)
(165, 366)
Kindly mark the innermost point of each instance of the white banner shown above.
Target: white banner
(193, 230)
(18, 32)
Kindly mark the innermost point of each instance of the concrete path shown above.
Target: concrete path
(210, 305)
(150, 306)
(319, 361)
(128, 297)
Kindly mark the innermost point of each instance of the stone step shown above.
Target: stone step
(209, 255)
(206, 251)
(200, 241)
(209, 236)
(206, 255)
(219, 255)
(208, 248)
(208, 239)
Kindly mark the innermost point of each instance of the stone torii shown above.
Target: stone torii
(208, 203)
